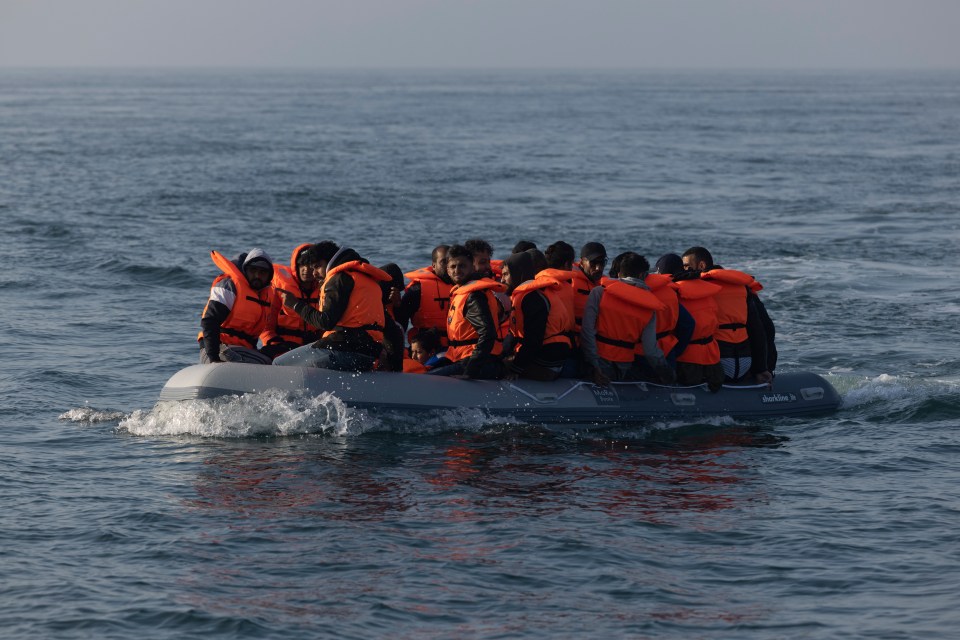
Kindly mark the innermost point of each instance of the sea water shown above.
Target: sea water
(297, 517)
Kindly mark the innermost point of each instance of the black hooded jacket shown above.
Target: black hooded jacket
(336, 298)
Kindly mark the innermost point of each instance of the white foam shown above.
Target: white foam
(271, 413)
(274, 413)
(91, 415)
(888, 388)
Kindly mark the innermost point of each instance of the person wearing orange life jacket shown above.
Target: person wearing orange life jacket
(674, 324)
(541, 322)
(424, 352)
(240, 307)
(351, 315)
(699, 360)
(587, 274)
(485, 265)
(616, 318)
(559, 258)
(299, 280)
(473, 326)
(426, 300)
(393, 338)
(746, 333)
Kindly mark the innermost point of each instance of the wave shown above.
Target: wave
(91, 415)
(899, 398)
(276, 414)
(173, 276)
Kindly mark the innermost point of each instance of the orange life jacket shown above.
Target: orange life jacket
(290, 326)
(699, 299)
(624, 311)
(732, 302)
(560, 323)
(434, 301)
(582, 286)
(365, 307)
(461, 336)
(662, 286)
(412, 366)
(253, 312)
(566, 297)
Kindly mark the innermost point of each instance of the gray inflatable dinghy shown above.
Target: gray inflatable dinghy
(564, 401)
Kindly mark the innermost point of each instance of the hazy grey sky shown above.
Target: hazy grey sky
(482, 33)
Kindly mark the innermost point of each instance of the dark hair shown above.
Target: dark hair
(395, 273)
(670, 264)
(476, 245)
(559, 254)
(459, 251)
(436, 251)
(699, 255)
(615, 265)
(633, 265)
(429, 338)
(303, 256)
(539, 261)
(523, 245)
(321, 252)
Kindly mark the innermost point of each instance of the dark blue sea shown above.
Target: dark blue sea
(263, 518)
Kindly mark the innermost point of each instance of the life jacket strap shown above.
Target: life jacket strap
(616, 343)
(364, 327)
(663, 334)
(733, 325)
(239, 334)
(262, 303)
(706, 340)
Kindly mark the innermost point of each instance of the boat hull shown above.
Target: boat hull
(564, 401)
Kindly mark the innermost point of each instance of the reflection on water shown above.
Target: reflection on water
(326, 525)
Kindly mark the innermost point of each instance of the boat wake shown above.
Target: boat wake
(278, 414)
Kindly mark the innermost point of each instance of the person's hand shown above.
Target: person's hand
(511, 375)
(666, 375)
(764, 377)
(599, 379)
(287, 299)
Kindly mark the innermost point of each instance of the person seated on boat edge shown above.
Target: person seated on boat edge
(618, 316)
(300, 280)
(699, 361)
(587, 275)
(559, 259)
(541, 322)
(393, 338)
(484, 264)
(241, 306)
(351, 316)
(426, 300)
(746, 333)
(675, 325)
(424, 351)
(473, 327)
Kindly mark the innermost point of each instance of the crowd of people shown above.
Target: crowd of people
(536, 314)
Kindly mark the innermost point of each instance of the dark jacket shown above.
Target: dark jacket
(476, 311)
(336, 298)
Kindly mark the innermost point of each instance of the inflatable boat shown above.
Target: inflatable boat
(562, 402)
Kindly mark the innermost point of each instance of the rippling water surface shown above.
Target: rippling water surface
(270, 516)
